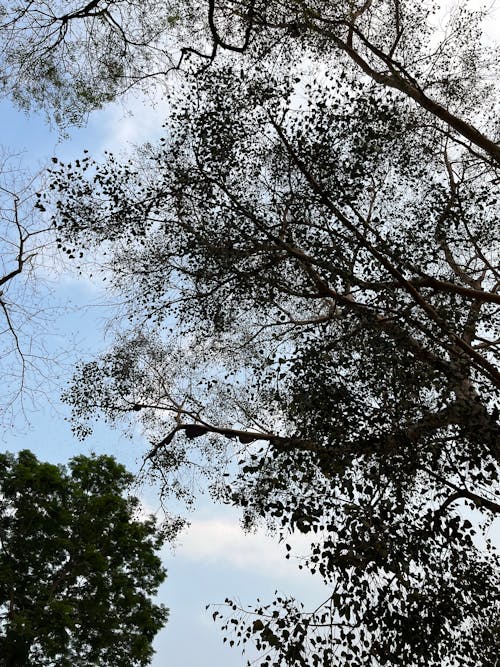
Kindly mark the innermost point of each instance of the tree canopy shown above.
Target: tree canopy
(308, 262)
(78, 566)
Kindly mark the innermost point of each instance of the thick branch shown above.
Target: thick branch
(409, 87)
(407, 435)
(452, 288)
(480, 501)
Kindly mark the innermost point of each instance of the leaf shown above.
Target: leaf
(257, 626)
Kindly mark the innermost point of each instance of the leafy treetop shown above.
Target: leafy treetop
(78, 566)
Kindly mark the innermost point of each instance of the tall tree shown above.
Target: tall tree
(310, 263)
(77, 565)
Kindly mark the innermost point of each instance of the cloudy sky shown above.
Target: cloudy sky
(214, 559)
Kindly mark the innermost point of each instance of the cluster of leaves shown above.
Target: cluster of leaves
(77, 565)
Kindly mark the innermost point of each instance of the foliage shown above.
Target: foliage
(77, 565)
(74, 57)
(309, 266)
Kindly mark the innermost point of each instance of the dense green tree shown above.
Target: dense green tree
(77, 565)
(308, 263)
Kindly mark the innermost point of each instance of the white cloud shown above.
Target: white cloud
(135, 121)
(223, 542)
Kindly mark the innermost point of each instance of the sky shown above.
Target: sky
(214, 558)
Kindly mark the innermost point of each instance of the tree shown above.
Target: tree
(73, 57)
(77, 565)
(27, 245)
(310, 263)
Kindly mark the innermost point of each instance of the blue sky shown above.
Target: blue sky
(214, 558)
